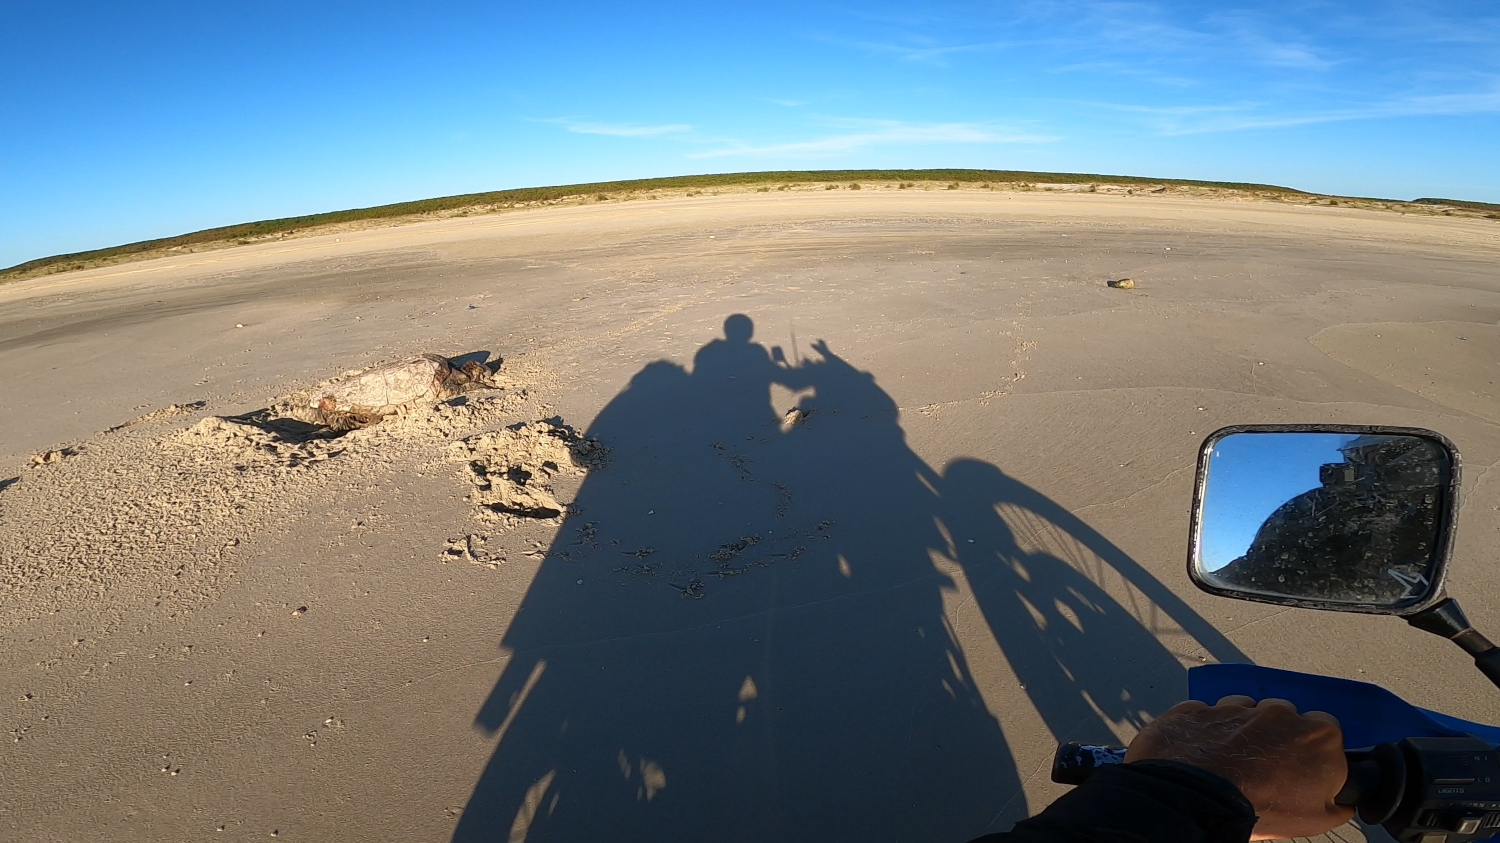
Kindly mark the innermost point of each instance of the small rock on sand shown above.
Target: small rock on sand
(1122, 283)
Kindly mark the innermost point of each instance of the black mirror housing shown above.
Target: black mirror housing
(1345, 518)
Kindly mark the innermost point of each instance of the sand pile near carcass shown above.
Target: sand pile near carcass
(159, 507)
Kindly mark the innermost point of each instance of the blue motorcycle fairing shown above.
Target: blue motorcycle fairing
(1368, 714)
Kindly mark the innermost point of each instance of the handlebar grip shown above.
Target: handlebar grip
(1361, 779)
(1375, 785)
(1075, 762)
(1376, 782)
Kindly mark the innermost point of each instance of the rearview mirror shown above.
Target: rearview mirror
(1352, 519)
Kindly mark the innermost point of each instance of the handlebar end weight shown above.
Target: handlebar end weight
(1075, 762)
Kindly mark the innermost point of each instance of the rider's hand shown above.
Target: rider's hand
(1289, 765)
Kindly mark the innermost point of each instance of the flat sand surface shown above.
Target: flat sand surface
(870, 620)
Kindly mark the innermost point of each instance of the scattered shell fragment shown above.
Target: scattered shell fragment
(794, 417)
(55, 456)
(1122, 283)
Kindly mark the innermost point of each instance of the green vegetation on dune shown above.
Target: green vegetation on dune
(1458, 203)
(601, 191)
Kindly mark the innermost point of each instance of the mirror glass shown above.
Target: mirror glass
(1329, 517)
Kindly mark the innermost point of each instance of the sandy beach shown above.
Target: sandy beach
(863, 501)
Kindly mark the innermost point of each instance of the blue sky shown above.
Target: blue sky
(1250, 477)
(128, 121)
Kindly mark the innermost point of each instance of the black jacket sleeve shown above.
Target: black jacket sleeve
(1141, 802)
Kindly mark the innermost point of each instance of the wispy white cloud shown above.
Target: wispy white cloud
(619, 130)
(1279, 54)
(626, 131)
(1179, 111)
(931, 52)
(1194, 120)
(1137, 34)
(1134, 70)
(861, 134)
(1145, 27)
(1476, 102)
(1151, 33)
(842, 135)
(1266, 44)
(1411, 25)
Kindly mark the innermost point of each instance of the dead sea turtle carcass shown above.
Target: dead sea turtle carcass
(363, 399)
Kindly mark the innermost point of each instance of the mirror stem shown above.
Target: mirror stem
(1448, 620)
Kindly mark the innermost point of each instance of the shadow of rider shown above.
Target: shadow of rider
(740, 631)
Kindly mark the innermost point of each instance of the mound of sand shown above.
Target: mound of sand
(511, 468)
(160, 507)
